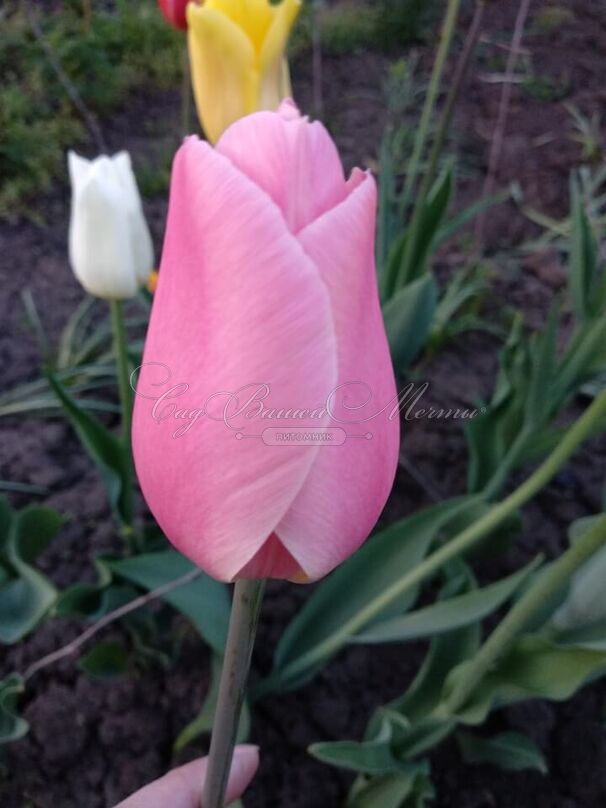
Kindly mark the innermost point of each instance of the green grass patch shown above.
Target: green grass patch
(546, 88)
(354, 24)
(551, 18)
(124, 46)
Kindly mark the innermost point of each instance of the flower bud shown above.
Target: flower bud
(110, 246)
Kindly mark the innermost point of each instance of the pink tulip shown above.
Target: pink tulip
(174, 11)
(267, 278)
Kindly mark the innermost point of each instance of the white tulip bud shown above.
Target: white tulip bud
(110, 247)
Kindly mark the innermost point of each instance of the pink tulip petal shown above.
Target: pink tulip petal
(272, 561)
(294, 161)
(348, 485)
(238, 303)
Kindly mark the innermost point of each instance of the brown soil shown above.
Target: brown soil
(92, 743)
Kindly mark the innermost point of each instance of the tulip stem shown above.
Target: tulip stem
(549, 583)
(126, 405)
(185, 93)
(243, 622)
(458, 81)
(446, 35)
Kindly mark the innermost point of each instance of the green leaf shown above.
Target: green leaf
(458, 304)
(406, 264)
(12, 726)
(374, 756)
(74, 331)
(408, 316)
(204, 601)
(491, 435)
(585, 359)
(25, 594)
(468, 214)
(104, 448)
(581, 619)
(432, 216)
(92, 601)
(203, 722)
(543, 353)
(448, 615)
(418, 705)
(584, 266)
(589, 635)
(511, 751)
(535, 667)
(36, 527)
(105, 660)
(336, 610)
(150, 647)
(410, 789)
(6, 518)
(23, 603)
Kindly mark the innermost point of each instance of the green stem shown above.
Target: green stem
(246, 606)
(461, 543)
(412, 240)
(499, 478)
(126, 404)
(185, 93)
(453, 96)
(446, 34)
(521, 615)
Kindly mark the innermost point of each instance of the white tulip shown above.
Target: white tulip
(110, 246)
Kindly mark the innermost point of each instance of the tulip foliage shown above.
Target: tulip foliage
(564, 649)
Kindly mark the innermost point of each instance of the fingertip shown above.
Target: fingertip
(243, 769)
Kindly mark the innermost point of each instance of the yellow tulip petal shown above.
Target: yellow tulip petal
(253, 17)
(285, 85)
(277, 37)
(223, 70)
(275, 86)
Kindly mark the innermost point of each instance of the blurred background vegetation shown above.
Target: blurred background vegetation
(86, 40)
(38, 120)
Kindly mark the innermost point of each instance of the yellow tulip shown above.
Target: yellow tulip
(237, 58)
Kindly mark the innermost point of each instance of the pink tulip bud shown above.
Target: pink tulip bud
(264, 436)
(174, 11)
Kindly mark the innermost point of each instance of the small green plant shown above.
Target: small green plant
(588, 134)
(347, 27)
(550, 18)
(403, 20)
(414, 216)
(538, 378)
(26, 595)
(546, 88)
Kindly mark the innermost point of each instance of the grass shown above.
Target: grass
(551, 18)
(546, 88)
(124, 46)
(353, 24)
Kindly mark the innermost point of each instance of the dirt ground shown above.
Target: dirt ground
(93, 743)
